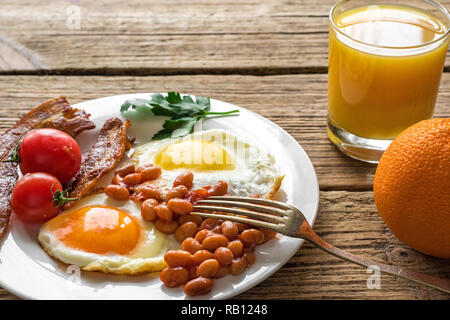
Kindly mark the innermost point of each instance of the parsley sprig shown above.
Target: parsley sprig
(184, 112)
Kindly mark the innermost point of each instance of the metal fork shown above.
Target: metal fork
(288, 220)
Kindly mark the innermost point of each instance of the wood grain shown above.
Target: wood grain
(261, 55)
(166, 37)
(350, 221)
(347, 219)
(5, 295)
(297, 103)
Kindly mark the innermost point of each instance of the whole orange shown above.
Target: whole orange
(412, 187)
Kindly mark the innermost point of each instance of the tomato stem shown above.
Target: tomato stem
(14, 155)
(60, 197)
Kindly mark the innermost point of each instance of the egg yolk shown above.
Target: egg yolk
(97, 229)
(196, 155)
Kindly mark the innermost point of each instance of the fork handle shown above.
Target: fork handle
(305, 231)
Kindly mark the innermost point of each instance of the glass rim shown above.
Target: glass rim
(423, 45)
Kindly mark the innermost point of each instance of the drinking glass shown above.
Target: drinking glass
(382, 78)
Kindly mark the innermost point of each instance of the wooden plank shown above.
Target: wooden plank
(5, 295)
(350, 221)
(166, 37)
(163, 17)
(297, 103)
(347, 219)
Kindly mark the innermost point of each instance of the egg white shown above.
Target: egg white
(147, 256)
(255, 171)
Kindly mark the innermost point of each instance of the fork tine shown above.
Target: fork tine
(252, 222)
(247, 213)
(246, 205)
(272, 203)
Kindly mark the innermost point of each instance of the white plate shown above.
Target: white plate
(28, 272)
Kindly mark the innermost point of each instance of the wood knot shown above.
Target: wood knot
(403, 256)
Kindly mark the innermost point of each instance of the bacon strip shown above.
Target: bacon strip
(56, 113)
(104, 155)
(8, 179)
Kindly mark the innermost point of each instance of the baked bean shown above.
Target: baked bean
(192, 269)
(198, 286)
(148, 210)
(268, 234)
(213, 241)
(217, 229)
(186, 230)
(237, 247)
(223, 255)
(117, 179)
(177, 258)
(174, 277)
(177, 192)
(149, 191)
(218, 189)
(167, 227)
(250, 258)
(237, 266)
(132, 179)
(251, 237)
(191, 245)
(184, 179)
(208, 268)
(201, 256)
(196, 195)
(117, 192)
(210, 223)
(163, 212)
(180, 206)
(125, 169)
(229, 230)
(249, 249)
(202, 234)
(149, 172)
(190, 217)
(242, 226)
(223, 271)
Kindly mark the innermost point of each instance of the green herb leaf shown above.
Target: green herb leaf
(184, 112)
(125, 106)
(176, 128)
(173, 97)
(203, 101)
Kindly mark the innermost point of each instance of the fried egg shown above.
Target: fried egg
(212, 155)
(101, 234)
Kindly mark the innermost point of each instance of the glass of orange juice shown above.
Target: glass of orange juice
(385, 65)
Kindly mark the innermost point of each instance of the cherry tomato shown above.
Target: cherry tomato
(32, 197)
(51, 151)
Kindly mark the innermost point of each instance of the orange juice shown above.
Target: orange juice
(385, 65)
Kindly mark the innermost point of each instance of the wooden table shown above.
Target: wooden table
(268, 56)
